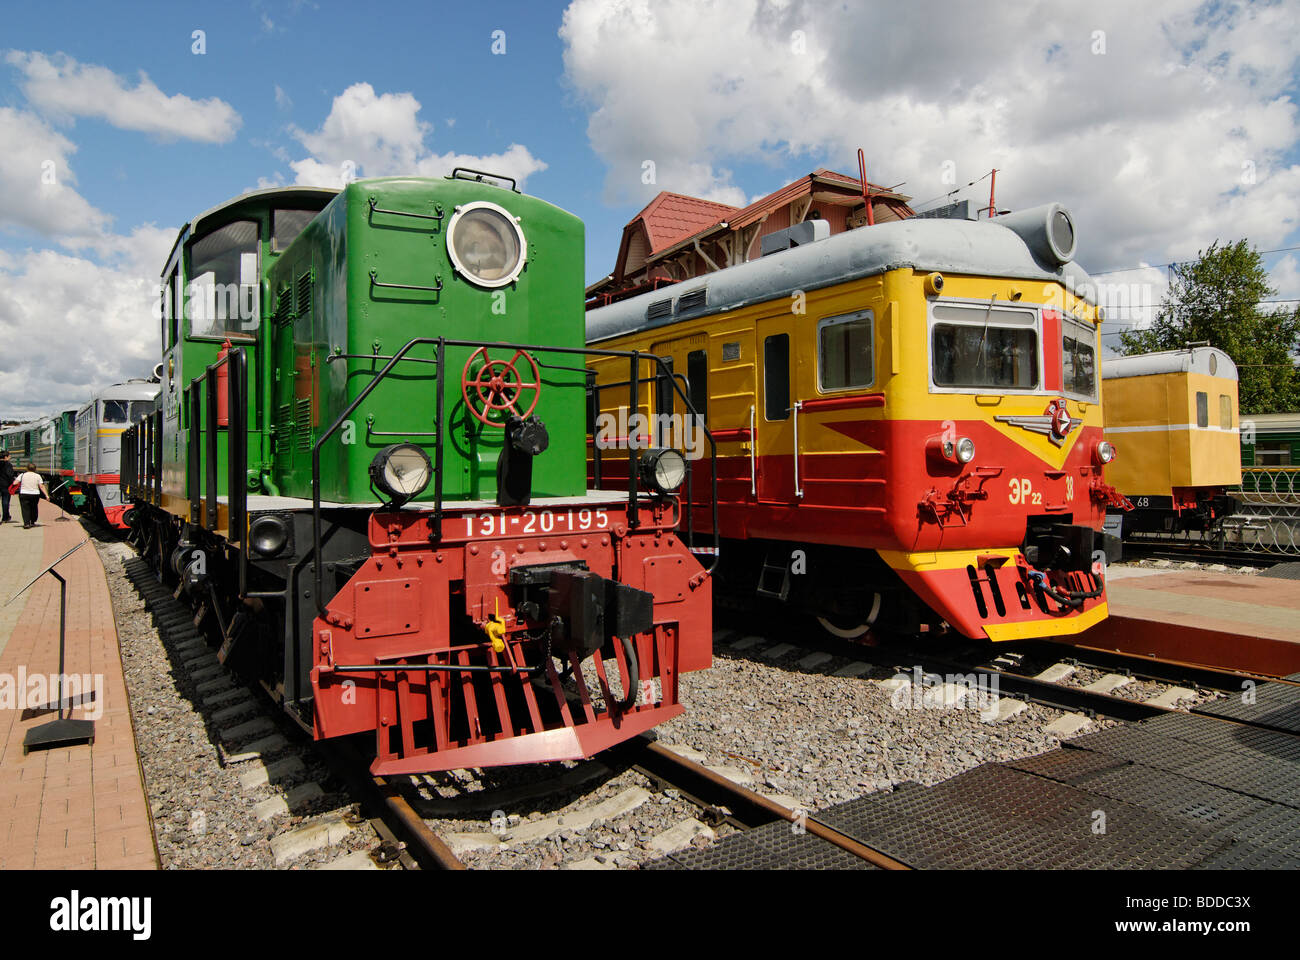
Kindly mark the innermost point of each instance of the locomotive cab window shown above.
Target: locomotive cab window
(976, 346)
(1202, 409)
(1225, 411)
(1078, 361)
(776, 377)
(287, 224)
(114, 411)
(844, 352)
(223, 297)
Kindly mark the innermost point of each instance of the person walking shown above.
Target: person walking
(31, 488)
(6, 480)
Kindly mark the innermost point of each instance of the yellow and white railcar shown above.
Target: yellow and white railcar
(1175, 413)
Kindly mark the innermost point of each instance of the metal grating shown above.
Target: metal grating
(1174, 796)
(735, 852)
(1276, 705)
(804, 851)
(1282, 571)
(1067, 765)
(1257, 776)
(1249, 856)
(1230, 737)
(1276, 826)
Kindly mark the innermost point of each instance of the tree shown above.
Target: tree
(1219, 297)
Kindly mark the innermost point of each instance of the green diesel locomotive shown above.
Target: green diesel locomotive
(368, 470)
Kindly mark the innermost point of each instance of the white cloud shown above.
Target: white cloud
(74, 325)
(64, 88)
(36, 181)
(1285, 278)
(381, 135)
(1151, 143)
(282, 99)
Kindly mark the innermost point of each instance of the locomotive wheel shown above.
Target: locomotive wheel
(844, 628)
(851, 626)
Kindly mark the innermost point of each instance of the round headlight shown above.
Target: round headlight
(664, 469)
(965, 450)
(268, 535)
(1105, 452)
(402, 471)
(486, 245)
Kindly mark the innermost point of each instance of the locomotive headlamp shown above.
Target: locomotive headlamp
(486, 245)
(965, 450)
(268, 535)
(401, 471)
(663, 469)
(1105, 452)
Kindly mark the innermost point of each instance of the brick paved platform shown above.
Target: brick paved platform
(81, 806)
(1246, 622)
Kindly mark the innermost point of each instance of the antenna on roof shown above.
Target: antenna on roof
(992, 207)
(866, 189)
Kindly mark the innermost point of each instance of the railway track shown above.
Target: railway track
(1193, 551)
(307, 823)
(748, 810)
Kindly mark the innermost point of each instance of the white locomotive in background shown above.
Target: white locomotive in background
(99, 427)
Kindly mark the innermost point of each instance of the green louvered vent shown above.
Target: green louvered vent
(284, 306)
(302, 424)
(304, 294)
(284, 434)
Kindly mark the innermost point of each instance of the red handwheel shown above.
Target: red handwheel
(497, 385)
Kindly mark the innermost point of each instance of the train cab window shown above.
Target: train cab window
(171, 316)
(287, 224)
(1202, 409)
(1078, 361)
(141, 409)
(776, 377)
(664, 394)
(844, 352)
(224, 293)
(974, 346)
(114, 411)
(697, 372)
(1225, 411)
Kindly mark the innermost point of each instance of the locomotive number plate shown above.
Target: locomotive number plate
(536, 521)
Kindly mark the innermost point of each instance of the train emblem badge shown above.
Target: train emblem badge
(1055, 423)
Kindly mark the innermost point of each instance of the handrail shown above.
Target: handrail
(201, 473)
(798, 489)
(441, 343)
(753, 454)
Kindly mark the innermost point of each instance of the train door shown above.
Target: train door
(673, 426)
(774, 420)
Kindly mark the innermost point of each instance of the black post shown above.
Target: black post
(64, 731)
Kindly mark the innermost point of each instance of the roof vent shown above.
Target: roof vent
(810, 231)
(957, 210)
(694, 300)
(659, 309)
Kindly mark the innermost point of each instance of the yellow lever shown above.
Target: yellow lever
(496, 630)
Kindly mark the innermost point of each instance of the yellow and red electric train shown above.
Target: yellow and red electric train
(907, 420)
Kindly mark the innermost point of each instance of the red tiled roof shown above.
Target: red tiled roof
(671, 217)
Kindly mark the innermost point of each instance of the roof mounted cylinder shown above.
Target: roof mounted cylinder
(1047, 230)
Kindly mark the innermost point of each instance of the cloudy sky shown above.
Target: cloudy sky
(1163, 125)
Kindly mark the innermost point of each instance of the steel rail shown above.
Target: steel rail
(424, 845)
(744, 807)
